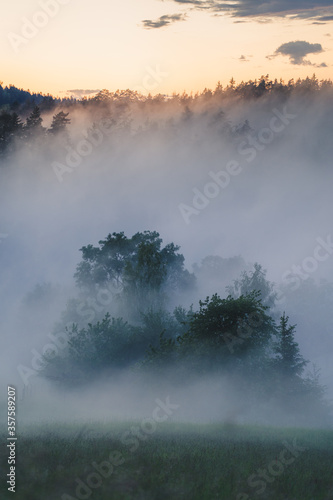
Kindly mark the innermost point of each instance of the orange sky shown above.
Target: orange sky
(57, 45)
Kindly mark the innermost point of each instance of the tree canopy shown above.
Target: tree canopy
(236, 337)
(139, 268)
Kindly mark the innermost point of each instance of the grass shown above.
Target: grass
(176, 461)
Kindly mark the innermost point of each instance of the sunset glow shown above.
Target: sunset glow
(60, 45)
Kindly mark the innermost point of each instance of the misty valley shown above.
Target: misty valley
(167, 293)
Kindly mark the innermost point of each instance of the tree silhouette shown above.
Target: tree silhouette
(289, 361)
(33, 126)
(59, 123)
(254, 280)
(139, 268)
(10, 129)
(34, 120)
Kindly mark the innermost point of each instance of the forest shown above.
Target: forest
(123, 319)
(166, 270)
(21, 120)
(135, 306)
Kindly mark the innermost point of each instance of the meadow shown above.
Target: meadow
(120, 461)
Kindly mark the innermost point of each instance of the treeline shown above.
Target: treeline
(15, 134)
(23, 101)
(123, 319)
(131, 114)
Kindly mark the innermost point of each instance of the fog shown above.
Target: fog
(158, 167)
(127, 397)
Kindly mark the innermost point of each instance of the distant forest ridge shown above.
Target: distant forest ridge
(19, 100)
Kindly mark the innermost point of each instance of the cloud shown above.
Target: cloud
(326, 18)
(297, 51)
(201, 4)
(79, 93)
(163, 21)
(310, 9)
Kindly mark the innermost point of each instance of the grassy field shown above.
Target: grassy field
(172, 461)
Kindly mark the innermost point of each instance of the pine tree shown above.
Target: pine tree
(34, 120)
(289, 361)
(33, 127)
(10, 131)
(59, 123)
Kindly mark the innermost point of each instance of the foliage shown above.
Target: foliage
(288, 361)
(255, 280)
(233, 337)
(10, 129)
(34, 120)
(59, 123)
(225, 335)
(218, 320)
(107, 344)
(34, 125)
(138, 267)
(207, 108)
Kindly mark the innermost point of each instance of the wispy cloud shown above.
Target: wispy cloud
(309, 9)
(326, 18)
(297, 51)
(82, 92)
(163, 21)
(195, 3)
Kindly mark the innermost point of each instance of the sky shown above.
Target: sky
(72, 47)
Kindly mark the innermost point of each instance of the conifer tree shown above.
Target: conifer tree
(59, 123)
(34, 120)
(289, 361)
